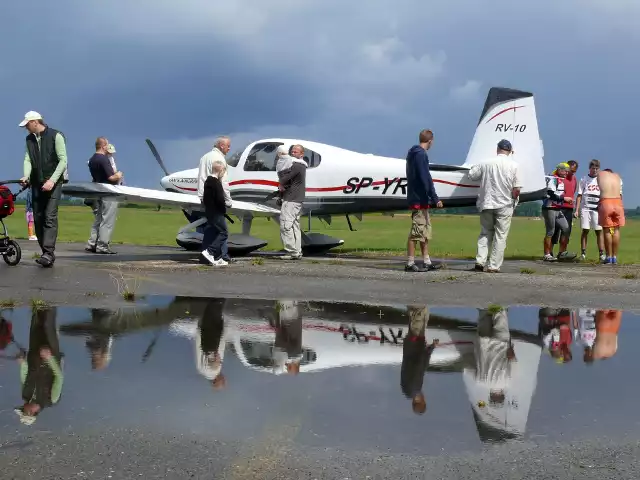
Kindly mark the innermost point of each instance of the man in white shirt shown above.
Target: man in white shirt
(205, 169)
(500, 185)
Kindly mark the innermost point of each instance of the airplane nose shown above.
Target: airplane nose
(165, 183)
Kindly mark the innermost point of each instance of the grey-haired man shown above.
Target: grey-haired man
(500, 185)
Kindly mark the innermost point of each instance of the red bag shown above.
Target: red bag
(6, 202)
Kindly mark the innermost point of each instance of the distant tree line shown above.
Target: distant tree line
(527, 209)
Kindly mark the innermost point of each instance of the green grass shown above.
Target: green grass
(454, 235)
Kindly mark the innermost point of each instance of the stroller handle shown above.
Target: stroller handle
(8, 182)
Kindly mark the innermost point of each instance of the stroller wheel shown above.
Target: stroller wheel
(13, 255)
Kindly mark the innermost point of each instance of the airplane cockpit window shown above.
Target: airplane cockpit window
(312, 158)
(262, 157)
(260, 354)
(234, 159)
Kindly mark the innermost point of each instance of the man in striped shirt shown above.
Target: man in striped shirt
(587, 209)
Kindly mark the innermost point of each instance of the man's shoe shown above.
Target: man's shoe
(478, 268)
(45, 261)
(549, 258)
(90, 249)
(106, 251)
(566, 256)
(413, 268)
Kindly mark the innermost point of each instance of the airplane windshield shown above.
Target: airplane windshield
(234, 159)
(260, 354)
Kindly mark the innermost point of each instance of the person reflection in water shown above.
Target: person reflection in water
(100, 344)
(41, 371)
(415, 358)
(210, 343)
(287, 351)
(555, 329)
(607, 328)
(494, 355)
(584, 332)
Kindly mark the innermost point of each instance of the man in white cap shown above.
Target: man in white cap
(45, 170)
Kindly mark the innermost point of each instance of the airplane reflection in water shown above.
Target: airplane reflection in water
(498, 365)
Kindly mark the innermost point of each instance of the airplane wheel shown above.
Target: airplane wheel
(190, 247)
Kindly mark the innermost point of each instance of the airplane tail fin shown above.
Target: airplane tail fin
(511, 114)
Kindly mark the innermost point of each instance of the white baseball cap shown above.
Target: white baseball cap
(283, 150)
(111, 148)
(30, 116)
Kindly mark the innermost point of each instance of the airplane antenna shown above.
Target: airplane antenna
(155, 153)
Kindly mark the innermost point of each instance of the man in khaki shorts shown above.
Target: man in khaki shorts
(421, 194)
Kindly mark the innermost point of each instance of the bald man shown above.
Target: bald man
(610, 212)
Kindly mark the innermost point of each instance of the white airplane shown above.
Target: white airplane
(342, 182)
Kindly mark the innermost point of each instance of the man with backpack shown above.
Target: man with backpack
(45, 170)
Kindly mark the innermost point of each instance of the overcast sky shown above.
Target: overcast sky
(363, 75)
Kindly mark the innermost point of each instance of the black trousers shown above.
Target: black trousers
(45, 216)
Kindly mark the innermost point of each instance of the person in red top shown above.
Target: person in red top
(570, 189)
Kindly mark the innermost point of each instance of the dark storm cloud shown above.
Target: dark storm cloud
(333, 71)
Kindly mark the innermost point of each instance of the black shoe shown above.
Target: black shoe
(478, 268)
(45, 261)
(413, 268)
(90, 249)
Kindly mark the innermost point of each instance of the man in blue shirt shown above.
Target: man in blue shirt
(421, 195)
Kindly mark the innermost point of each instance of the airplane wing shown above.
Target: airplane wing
(121, 193)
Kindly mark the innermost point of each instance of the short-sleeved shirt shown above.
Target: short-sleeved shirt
(100, 168)
(589, 189)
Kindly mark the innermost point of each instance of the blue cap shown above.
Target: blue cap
(504, 145)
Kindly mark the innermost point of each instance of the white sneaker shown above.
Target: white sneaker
(220, 263)
(33, 237)
(603, 257)
(549, 258)
(209, 257)
(583, 257)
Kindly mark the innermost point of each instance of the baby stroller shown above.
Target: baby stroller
(9, 249)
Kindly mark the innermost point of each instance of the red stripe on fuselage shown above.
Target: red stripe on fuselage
(271, 183)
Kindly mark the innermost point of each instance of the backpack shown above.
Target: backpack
(7, 206)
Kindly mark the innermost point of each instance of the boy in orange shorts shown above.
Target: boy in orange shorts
(610, 212)
(607, 328)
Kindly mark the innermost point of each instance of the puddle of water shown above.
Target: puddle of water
(343, 375)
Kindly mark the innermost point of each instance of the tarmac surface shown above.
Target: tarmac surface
(91, 279)
(160, 418)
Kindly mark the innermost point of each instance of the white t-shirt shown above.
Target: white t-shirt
(587, 326)
(590, 191)
(498, 177)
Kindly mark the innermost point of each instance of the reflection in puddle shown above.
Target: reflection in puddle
(495, 363)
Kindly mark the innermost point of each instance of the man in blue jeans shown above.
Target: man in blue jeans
(216, 233)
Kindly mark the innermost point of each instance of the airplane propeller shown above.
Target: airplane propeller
(157, 156)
